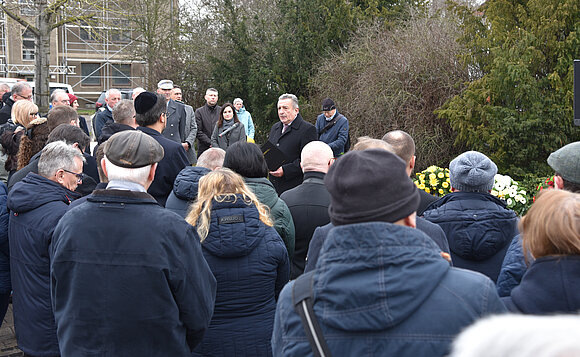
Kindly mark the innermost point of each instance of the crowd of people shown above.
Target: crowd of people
(179, 235)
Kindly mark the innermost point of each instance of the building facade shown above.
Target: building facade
(91, 56)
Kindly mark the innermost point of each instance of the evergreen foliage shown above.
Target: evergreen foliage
(518, 107)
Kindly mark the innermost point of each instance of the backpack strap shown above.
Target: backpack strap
(302, 298)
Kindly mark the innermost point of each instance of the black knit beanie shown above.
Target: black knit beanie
(370, 185)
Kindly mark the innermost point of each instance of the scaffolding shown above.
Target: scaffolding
(107, 42)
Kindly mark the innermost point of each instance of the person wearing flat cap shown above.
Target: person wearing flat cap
(152, 119)
(479, 226)
(128, 276)
(377, 273)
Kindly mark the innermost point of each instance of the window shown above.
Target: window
(121, 74)
(91, 74)
(27, 8)
(87, 33)
(28, 45)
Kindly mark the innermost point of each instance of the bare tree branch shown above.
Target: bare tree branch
(69, 20)
(20, 20)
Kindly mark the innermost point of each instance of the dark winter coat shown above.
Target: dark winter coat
(36, 205)
(383, 289)
(129, 279)
(5, 285)
(308, 204)
(250, 264)
(426, 200)
(479, 229)
(176, 120)
(513, 268)
(101, 119)
(550, 286)
(185, 188)
(206, 118)
(279, 212)
(433, 231)
(6, 111)
(291, 144)
(336, 136)
(109, 130)
(174, 160)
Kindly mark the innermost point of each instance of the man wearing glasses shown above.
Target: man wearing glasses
(36, 205)
(20, 91)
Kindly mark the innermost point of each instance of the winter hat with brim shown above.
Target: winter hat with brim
(472, 171)
(566, 162)
(370, 185)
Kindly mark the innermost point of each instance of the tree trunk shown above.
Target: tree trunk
(42, 57)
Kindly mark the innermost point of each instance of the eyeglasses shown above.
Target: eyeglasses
(79, 176)
(23, 97)
(34, 114)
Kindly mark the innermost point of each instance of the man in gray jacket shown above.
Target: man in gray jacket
(190, 132)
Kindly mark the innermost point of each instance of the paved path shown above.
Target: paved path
(7, 338)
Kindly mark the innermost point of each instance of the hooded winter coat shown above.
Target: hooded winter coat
(551, 285)
(279, 211)
(383, 289)
(479, 229)
(36, 205)
(185, 189)
(250, 264)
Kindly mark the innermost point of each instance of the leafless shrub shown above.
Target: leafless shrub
(395, 79)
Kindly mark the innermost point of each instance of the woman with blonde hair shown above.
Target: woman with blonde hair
(551, 234)
(249, 261)
(23, 112)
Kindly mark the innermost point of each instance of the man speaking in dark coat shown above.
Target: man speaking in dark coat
(129, 277)
(290, 135)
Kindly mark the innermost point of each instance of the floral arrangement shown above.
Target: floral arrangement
(548, 183)
(508, 190)
(434, 180)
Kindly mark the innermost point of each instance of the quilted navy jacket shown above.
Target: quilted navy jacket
(250, 264)
(383, 290)
(185, 189)
(36, 205)
(479, 229)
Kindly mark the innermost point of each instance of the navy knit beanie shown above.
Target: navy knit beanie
(370, 185)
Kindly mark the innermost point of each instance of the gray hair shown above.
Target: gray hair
(238, 100)
(212, 158)
(290, 96)
(19, 87)
(138, 175)
(5, 87)
(55, 93)
(520, 336)
(211, 90)
(58, 155)
(111, 91)
(124, 111)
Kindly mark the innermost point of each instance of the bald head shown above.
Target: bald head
(316, 156)
(402, 143)
(403, 146)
